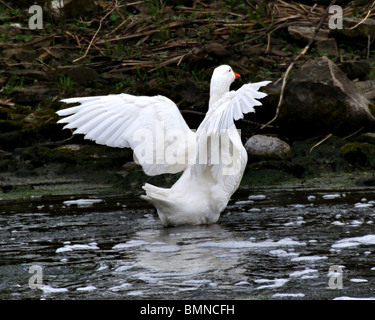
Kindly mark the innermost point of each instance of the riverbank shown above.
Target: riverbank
(146, 48)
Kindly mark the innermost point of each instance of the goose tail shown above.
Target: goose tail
(157, 196)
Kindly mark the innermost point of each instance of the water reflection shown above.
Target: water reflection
(176, 250)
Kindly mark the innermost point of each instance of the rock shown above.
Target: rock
(328, 48)
(355, 69)
(368, 137)
(362, 28)
(320, 99)
(9, 125)
(33, 94)
(366, 88)
(306, 33)
(72, 9)
(217, 50)
(359, 153)
(29, 75)
(260, 147)
(83, 75)
(188, 91)
(365, 182)
(20, 54)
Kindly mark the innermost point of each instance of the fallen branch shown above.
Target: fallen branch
(353, 134)
(7, 103)
(320, 142)
(96, 33)
(362, 21)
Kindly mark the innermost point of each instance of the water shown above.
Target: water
(270, 244)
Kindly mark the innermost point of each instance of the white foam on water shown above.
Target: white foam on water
(121, 287)
(331, 196)
(157, 276)
(282, 253)
(355, 223)
(197, 282)
(298, 206)
(244, 202)
(309, 258)
(68, 247)
(354, 242)
(88, 288)
(338, 223)
(363, 205)
(356, 280)
(288, 295)
(295, 223)
(302, 273)
(275, 283)
(187, 289)
(135, 293)
(129, 244)
(242, 283)
(257, 197)
(353, 298)
(286, 242)
(82, 203)
(311, 198)
(48, 289)
(102, 267)
(123, 268)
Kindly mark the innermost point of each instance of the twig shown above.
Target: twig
(6, 103)
(320, 142)
(368, 46)
(302, 53)
(364, 19)
(45, 64)
(96, 33)
(75, 38)
(268, 43)
(353, 134)
(7, 5)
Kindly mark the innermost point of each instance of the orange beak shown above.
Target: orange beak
(236, 75)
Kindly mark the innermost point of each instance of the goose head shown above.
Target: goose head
(221, 79)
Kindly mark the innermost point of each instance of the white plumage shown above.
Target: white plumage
(212, 159)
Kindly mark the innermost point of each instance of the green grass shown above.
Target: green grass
(12, 85)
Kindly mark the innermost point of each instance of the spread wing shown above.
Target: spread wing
(152, 126)
(219, 147)
(232, 106)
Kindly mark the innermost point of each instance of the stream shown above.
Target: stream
(268, 244)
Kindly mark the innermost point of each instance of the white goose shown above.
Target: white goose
(212, 159)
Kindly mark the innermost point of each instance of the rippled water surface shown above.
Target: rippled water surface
(267, 245)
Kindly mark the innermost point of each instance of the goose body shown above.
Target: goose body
(212, 159)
